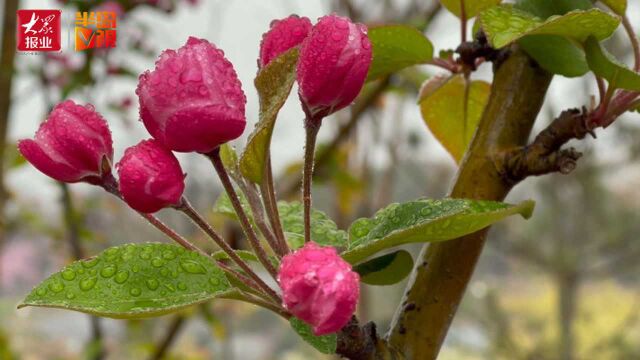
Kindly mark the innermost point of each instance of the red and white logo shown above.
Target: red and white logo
(39, 30)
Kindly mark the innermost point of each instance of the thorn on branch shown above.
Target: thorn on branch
(545, 154)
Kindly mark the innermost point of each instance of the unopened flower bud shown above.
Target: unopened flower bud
(319, 287)
(283, 35)
(150, 177)
(333, 65)
(74, 144)
(193, 100)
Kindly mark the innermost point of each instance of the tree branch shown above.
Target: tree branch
(440, 279)
(545, 155)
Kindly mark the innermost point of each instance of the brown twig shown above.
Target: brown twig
(169, 337)
(633, 38)
(545, 154)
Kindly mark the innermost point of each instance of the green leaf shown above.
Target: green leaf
(442, 107)
(224, 207)
(396, 47)
(556, 54)
(505, 24)
(132, 281)
(386, 269)
(326, 344)
(603, 64)
(545, 8)
(617, 6)
(324, 231)
(274, 83)
(425, 220)
(229, 157)
(471, 7)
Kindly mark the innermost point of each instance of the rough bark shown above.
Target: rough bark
(444, 269)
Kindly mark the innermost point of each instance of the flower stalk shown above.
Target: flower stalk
(312, 126)
(186, 208)
(214, 156)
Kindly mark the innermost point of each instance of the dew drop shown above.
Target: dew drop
(152, 284)
(122, 276)
(41, 292)
(68, 274)
(157, 262)
(108, 271)
(214, 281)
(145, 255)
(90, 263)
(135, 268)
(169, 255)
(192, 267)
(71, 296)
(88, 284)
(182, 286)
(56, 287)
(135, 292)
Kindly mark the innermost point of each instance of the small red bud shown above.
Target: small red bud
(333, 65)
(150, 177)
(283, 35)
(74, 144)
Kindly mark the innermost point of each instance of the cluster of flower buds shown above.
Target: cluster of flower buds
(335, 55)
(193, 102)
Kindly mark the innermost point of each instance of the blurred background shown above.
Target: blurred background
(563, 285)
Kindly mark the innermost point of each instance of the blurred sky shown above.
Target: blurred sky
(236, 26)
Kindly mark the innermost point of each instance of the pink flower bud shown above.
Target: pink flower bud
(333, 65)
(74, 144)
(282, 36)
(319, 287)
(150, 177)
(193, 100)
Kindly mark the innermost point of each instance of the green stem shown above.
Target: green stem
(253, 198)
(214, 156)
(270, 199)
(312, 126)
(193, 214)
